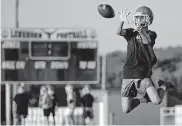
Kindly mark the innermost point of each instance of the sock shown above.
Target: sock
(163, 87)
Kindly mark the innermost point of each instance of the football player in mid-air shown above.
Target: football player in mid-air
(140, 59)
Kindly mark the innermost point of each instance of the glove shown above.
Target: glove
(123, 15)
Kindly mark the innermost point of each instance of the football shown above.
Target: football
(106, 10)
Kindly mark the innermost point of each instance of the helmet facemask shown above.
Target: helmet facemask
(140, 19)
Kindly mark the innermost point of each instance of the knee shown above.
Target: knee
(156, 100)
(153, 95)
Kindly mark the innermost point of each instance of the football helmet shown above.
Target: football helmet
(20, 90)
(68, 88)
(143, 17)
(86, 89)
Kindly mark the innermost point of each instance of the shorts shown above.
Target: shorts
(88, 112)
(71, 104)
(48, 111)
(69, 111)
(19, 115)
(130, 87)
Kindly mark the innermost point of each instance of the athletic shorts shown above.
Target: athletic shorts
(48, 111)
(130, 87)
(71, 104)
(19, 115)
(88, 112)
(69, 111)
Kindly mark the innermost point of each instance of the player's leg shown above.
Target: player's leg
(23, 119)
(18, 119)
(155, 95)
(54, 121)
(84, 116)
(46, 116)
(147, 88)
(88, 116)
(53, 115)
(72, 119)
(128, 92)
(70, 115)
(129, 103)
(91, 117)
(66, 116)
(163, 87)
(89, 121)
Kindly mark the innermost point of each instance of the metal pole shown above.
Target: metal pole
(111, 118)
(8, 86)
(103, 86)
(8, 104)
(17, 14)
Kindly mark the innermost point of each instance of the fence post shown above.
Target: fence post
(8, 103)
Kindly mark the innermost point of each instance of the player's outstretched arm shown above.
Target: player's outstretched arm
(120, 30)
(123, 18)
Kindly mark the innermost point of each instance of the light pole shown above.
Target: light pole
(17, 14)
(8, 86)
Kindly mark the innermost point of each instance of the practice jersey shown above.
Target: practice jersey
(22, 102)
(87, 100)
(140, 57)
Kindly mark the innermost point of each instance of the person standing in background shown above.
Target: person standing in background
(54, 98)
(45, 101)
(71, 103)
(87, 100)
(21, 102)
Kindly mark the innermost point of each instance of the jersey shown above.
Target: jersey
(22, 101)
(140, 57)
(46, 101)
(87, 100)
(54, 100)
(71, 98)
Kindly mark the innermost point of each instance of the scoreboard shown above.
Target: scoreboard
(49, 56)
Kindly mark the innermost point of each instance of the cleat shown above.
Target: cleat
(167, 84)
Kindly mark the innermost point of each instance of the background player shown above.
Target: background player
(21, 102)
(45, 101)
(54, 98)
(87, 101)
(140, 59)
(71, 104)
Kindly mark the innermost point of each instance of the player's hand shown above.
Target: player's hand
(123, 15)
(56, 108)
(138, 28)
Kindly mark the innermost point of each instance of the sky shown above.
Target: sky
(83, 13)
